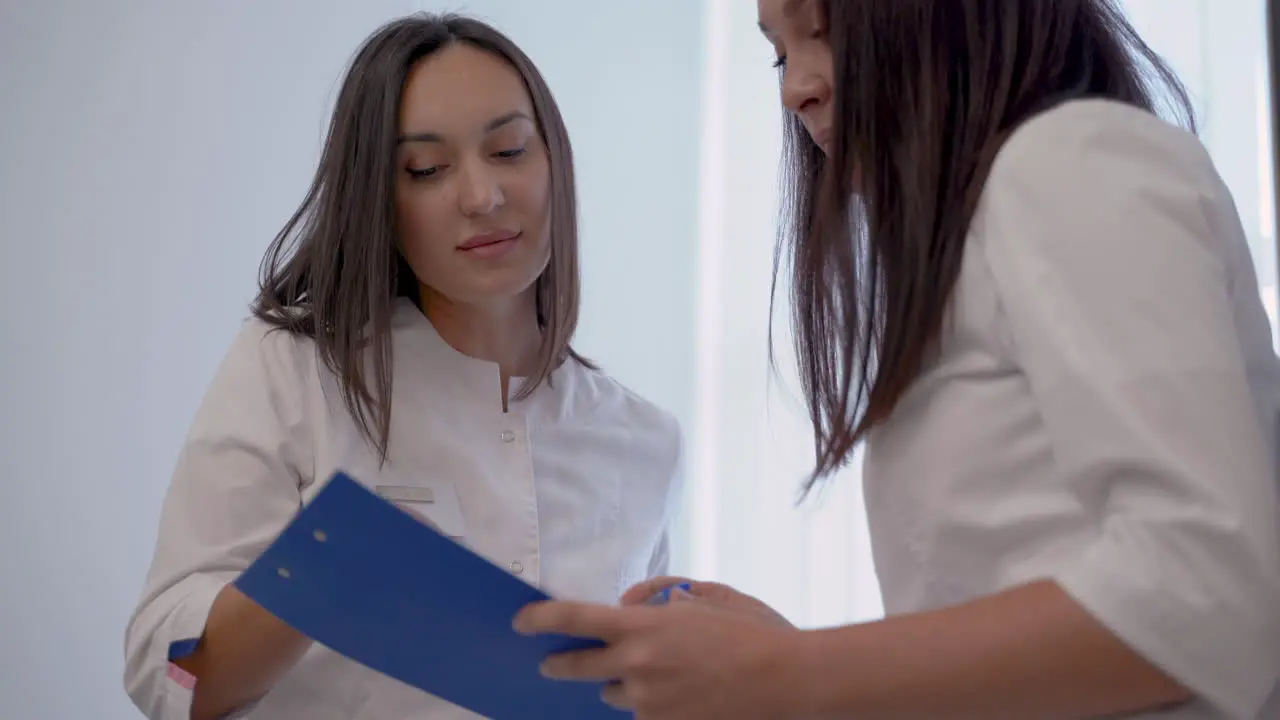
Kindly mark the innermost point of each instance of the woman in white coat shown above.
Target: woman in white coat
(413, 329)
(1033, 299)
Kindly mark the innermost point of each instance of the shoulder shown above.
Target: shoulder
(646, 423)
(259, 396)
(271, 344)
(1097, 157)
(1097, 178)
(1092, 134)
(263, 356)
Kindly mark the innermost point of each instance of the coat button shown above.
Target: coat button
(508, 436)
(516, 567)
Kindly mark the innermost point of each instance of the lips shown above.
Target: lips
(488, 239)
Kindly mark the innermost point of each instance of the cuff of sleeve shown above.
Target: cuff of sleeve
(180, 634)
(1214, 652)
(185, 625)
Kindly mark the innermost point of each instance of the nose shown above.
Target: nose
(480, 193)
(803, 93)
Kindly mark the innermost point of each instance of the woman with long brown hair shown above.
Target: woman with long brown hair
(413, 329)
(1033, 300)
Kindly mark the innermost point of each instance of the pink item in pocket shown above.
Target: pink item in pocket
(182, 677)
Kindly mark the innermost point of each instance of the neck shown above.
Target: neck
(503, 332)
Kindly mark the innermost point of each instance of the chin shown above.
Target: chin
(498, 290)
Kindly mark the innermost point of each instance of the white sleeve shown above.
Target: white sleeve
(660, 563)
(1112, 243)
(236, 485)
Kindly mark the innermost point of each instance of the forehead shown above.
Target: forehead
(458, 88)
(775, 14)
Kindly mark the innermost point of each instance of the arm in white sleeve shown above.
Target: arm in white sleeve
(236, 485)
(1119, 261)
(660, 563)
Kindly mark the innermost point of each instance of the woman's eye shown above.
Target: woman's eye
(510, 154)
(781, 62)
(422, 173)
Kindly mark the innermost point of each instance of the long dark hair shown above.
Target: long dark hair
(926, 92)
(334, 271)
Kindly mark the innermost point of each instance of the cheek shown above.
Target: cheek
(530, 195)
(826, 65)
(534, 190)
(421, 225)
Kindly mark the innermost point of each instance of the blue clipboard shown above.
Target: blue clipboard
(369, 581)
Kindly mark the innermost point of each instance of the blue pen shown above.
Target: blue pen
(664, 597)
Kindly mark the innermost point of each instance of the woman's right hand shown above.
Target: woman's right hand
(710, 592)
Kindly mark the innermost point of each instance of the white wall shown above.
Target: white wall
(149, 150)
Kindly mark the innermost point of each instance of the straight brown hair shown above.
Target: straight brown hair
(334, 271)
(926, 92)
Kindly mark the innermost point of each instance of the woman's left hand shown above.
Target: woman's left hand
(688, 660)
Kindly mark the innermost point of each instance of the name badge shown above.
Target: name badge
(435, 504)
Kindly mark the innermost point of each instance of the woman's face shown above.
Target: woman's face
(797, 29)
(473, 187)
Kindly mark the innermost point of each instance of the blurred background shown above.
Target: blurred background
(150, 149)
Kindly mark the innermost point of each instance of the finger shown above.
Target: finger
(640, 593)
(595, 665)
(615, 696)
(712, 590)
(583, 620)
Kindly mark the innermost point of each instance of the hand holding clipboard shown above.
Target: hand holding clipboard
(372, 583)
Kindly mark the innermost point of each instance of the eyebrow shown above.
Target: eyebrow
(489, 127)
(788, 9)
